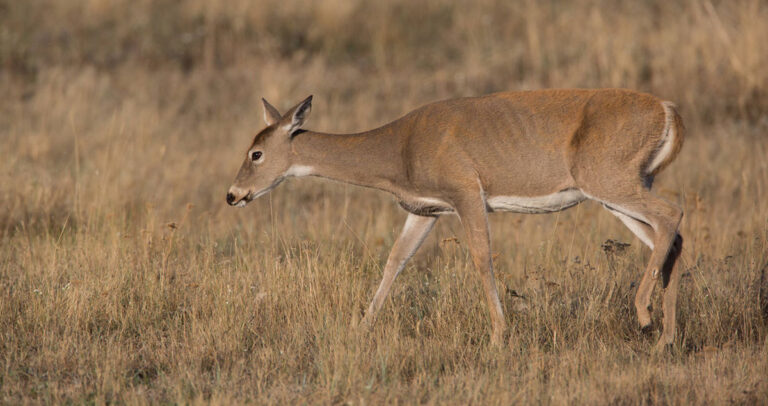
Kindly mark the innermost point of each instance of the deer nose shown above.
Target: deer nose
(230, 198)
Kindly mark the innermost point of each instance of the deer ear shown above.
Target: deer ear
(271, 115)
(296, 117)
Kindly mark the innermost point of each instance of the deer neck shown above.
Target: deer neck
(370, 158)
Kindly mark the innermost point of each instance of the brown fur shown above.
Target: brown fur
(453, 155)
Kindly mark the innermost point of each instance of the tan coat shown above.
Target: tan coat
(531, 152)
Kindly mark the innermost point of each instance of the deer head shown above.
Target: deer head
(268, 159)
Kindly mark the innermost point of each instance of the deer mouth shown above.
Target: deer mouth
(262, 192)
(250, 196)
(240, 203)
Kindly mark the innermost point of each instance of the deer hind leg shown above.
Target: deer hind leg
(663, 218)
(414, 232)
(643, 297)
(670, 282)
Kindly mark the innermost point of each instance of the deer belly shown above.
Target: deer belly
(537, 204)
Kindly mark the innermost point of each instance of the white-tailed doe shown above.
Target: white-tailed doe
(527, 152)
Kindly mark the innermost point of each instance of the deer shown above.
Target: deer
(536, 151)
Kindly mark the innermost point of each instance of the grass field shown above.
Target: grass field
(125, 278)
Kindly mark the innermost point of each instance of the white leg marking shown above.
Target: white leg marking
(410, 224)
(613, 206)
(635, 226)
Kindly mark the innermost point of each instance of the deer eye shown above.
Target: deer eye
(255, 155)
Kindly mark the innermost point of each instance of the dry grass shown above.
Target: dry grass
(125, 278)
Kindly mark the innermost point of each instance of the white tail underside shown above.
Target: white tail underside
(667, 139)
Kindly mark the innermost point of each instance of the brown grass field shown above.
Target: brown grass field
(125, 278)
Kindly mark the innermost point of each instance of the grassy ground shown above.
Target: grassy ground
(125, 278)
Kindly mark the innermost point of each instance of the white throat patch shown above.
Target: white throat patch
(299, 170)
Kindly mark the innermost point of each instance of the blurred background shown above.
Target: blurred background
(124, 276)
(160, 97)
